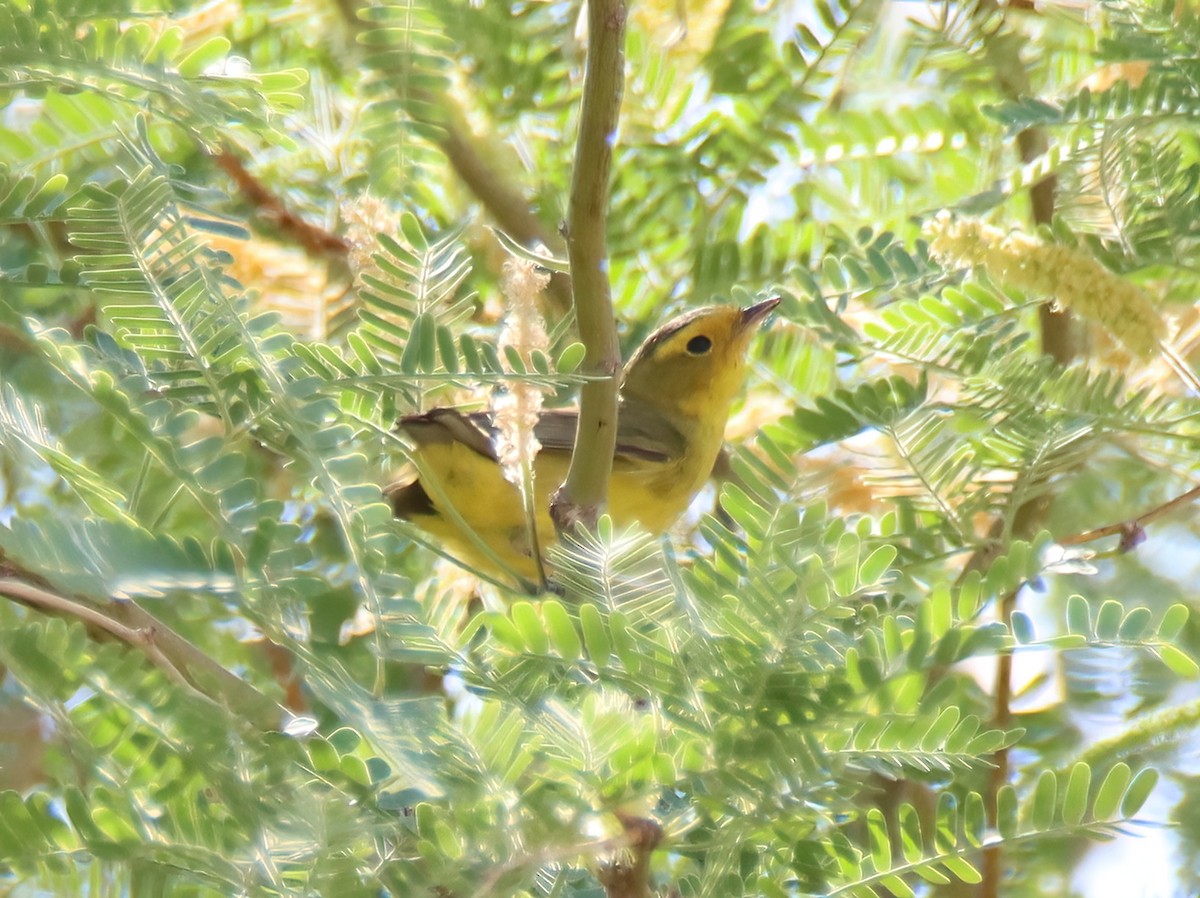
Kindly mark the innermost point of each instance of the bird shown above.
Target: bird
(676, 394)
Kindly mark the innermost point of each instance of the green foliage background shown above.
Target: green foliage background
(201, 365)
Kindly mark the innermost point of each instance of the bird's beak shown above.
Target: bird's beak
(754, 315)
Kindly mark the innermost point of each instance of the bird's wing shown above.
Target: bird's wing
(448, 425)
(555, 429)
(645, 434)
(641, 434)
(441, 426)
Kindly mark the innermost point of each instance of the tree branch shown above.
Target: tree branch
(504, 202)
(582, 496)
(1060, 341)
(182, 661)
(469, 156)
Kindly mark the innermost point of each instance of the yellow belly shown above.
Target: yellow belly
(652, 494)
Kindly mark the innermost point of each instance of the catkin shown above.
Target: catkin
(517, 408)
(1074, 279)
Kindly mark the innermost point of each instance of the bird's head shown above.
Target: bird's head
(694, 365)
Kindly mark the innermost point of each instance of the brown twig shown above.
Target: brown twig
(36, 597)
(1059, 332)
(315, 241)
(182, 661)
(998, 774)
(582, 496)
(1131, 531)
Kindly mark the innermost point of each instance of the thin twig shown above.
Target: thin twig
(1129, 530)
(998, 774)
(30, 595)
(182, 661)
(315, 241)
(582, 496)
(142, 639)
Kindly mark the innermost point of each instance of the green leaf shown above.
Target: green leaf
(897, 886)
(324, 757)
(115, 827)
(1112, 789)
(1078, 616)
(941, 729)
(79, 812)
(911, 842)
(513, 357)
(355, 769)
(1022, 627)
(1173, 622)
(561, 630)
(623, 643)
(881, 846)
(420, 346)
(1044, 802)
(962, 868)
(470, 354)
(570, 358)
(946, 823)
(1075, 801)
(446, 349)
(1139, 790)
(208, 53)
(1006, 812)
(525, 618)
(970, 595)
(501, 628)
(1178, 661)
(595, 636)
(542, 259)
(1108, 621)
(47, 196)
(974, 819)
(932, 874)
(845, 571)
(1135, 625)
(876, 565)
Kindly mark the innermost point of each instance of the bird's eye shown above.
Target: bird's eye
(699, 345)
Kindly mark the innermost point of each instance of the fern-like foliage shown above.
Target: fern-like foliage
(72, 46)
(138, 247)
(936, 852)
(414, 286)
(787, 685)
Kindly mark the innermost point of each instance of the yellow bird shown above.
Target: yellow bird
(676, 394)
